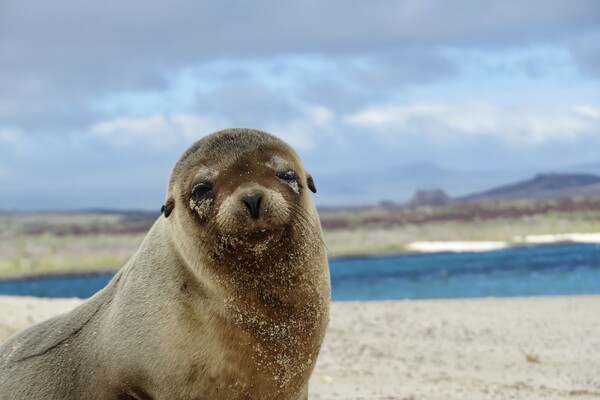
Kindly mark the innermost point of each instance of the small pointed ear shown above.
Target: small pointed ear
(168, 207)
(311, 183)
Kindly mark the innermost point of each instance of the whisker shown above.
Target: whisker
(309, 223)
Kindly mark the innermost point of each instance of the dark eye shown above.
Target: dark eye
(288, 176)
(200, 190)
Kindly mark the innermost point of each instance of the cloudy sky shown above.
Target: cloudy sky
(99, 99)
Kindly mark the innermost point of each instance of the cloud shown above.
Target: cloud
(320, 116)
(513, 125)
(586, 50)
(305, 130)
(97, 100)
(398, 66)
(157, 130)
(57, 59)
(164, 130)
(246, 103)
(8, 136)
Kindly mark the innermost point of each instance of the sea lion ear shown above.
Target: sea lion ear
(311, 183)
(168, 207)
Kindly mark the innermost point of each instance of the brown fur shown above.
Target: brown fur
(216, 304)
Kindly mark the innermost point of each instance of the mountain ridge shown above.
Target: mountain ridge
(544, 186)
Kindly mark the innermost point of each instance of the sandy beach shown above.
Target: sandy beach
(516, 348)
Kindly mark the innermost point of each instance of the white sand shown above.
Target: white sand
(451, 349)
(457, 247)
(565, 237)
(477, 246)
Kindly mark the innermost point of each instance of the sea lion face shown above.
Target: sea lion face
(241, 194)
(250, 198)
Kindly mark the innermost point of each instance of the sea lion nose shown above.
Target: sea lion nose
(253, 204)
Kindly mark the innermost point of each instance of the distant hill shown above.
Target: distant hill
(431, 198)
(542, 187)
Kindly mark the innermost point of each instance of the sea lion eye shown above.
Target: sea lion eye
(291, 179)
(200, 190)
(288, 176)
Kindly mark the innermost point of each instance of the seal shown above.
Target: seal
(226, 298)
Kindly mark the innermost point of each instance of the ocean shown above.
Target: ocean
(566, 269)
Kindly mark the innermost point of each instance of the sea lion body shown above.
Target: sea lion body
(226, 298)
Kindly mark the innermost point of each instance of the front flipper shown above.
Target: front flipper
(42, 338)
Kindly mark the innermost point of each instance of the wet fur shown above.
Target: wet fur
(193, 315)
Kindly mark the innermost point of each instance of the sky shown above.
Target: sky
(380, 98)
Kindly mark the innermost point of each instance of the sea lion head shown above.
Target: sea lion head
(240, 215)
(239, 195)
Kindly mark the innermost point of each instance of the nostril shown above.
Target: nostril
(253, 204)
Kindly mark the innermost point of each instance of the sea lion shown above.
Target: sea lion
(226, 298)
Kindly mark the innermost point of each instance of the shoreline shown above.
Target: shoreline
(413, 248)
(516, 242)
(475, 246)
(58, 275)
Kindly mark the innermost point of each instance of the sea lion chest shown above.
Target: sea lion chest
(245, 348)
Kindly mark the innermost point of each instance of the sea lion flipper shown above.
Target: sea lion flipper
(48, 335)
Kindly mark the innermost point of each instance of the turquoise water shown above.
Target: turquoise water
(527, 271)
(531, 271)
